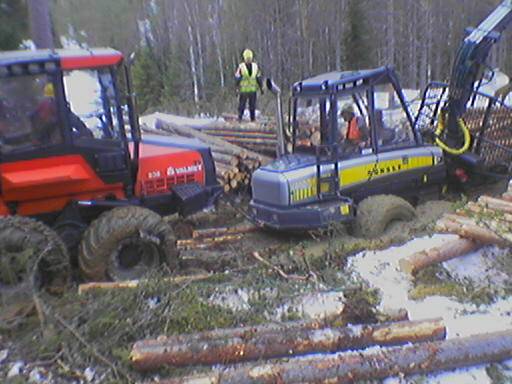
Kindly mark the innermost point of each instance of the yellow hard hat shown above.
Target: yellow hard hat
(247, 55)
(48, 90)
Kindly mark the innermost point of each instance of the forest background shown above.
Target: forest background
(187, 50)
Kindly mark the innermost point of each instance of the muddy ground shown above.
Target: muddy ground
(87, 338)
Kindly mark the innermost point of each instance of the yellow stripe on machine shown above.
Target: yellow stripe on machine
(364, 172)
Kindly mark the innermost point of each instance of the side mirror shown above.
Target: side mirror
(272, 87)
(131, 59)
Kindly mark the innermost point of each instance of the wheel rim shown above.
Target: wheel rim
(133, 258)
(15, 279)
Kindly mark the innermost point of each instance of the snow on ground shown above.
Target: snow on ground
(313, 306)
(381, 270)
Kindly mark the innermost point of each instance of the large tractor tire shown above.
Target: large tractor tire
(32, 257)
(375, 213)
(125, 243)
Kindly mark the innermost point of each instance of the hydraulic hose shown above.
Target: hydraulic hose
(445, 147)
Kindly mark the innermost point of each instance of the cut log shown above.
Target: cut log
(354, 367)
(221, 158)
(151, 354)
(420, 260)
(135, 283)
(468, 228)
(496, 204)
(206, 243)
(250, 140)
(209, 140)
(507, 196)
(213, 232)
(481, 209)
(241, 134)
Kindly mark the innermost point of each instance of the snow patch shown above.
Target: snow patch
(313, 306)
(381, 270)
(233, 299)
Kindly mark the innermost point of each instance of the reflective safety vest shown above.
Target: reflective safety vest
(248, 83)
(353, 131)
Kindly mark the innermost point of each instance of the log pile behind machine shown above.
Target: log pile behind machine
(234, 162)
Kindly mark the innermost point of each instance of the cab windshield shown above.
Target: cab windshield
(317, 121)
(29, 113)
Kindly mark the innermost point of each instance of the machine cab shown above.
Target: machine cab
(360, 112)
(62, 129)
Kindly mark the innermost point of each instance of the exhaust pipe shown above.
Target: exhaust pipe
(272, 87)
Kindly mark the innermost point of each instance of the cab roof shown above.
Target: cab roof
(340, 80)
(67, 58)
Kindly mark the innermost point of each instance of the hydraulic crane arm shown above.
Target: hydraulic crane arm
(469, 65)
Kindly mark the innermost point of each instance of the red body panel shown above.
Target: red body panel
(161, 167)
(48, 185)
(83, 59)
(3, 209)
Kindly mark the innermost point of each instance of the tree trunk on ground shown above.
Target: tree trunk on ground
(468, 228)
(420, 260)
(40, 23)
(206, 242)
(354, 367)
(209, 232)
(149, 354)
(106, 285)
(496, 204)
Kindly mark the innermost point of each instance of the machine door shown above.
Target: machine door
(32, 132)
(403, 164)
(96, 123)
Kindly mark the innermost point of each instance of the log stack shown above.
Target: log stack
(370, 364)
(247, 135)
(238, 345)
(340, 356)
(234, 172)
(484, 222)
(234, 164)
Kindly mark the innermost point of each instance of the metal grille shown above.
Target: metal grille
(488, 119)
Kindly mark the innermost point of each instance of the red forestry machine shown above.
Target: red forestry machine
(78, 184)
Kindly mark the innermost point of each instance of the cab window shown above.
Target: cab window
(353, 124)
(392, 129)
(94, 110)
(29, 116)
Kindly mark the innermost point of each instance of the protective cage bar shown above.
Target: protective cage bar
(488, 118)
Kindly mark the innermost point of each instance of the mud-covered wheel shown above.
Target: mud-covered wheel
(375, 213)
(32, 256)
(125, 243)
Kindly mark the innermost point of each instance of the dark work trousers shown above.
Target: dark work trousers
(251, 96)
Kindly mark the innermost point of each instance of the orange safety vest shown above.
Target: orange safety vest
(353, 131)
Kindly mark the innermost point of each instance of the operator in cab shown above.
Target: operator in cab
(356, 133)
(45, 123)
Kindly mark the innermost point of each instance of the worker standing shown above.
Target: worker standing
(249, 80)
